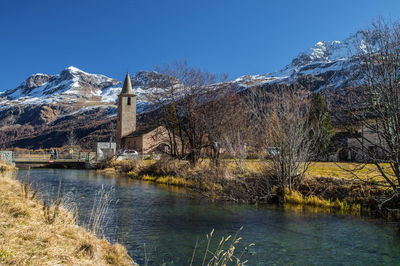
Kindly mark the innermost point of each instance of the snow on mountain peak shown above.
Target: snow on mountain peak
(328, 64)
(74, 69)
(71, 85)
(40, 74)
(330, 51)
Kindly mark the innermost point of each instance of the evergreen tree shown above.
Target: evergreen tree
(321, 126)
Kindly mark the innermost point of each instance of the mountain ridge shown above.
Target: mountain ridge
(44, 103)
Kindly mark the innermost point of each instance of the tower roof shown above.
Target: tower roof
(127, 88)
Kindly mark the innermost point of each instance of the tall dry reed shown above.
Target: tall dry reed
(224, 254)
(98, 214)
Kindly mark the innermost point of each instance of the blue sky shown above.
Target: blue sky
(111, 37)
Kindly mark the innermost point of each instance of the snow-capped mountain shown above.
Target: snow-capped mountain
(327, 65)
(72, 86)
(75, 88)
(71, 81)
(44, 107)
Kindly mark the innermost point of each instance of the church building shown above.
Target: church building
(145, 139)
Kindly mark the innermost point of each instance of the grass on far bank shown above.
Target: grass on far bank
(222, 183)
(345, 170)
(366, 172)
(26, 238)
(296, 198)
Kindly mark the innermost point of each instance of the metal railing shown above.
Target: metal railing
(56, 157)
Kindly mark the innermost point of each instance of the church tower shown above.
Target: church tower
(126, 122)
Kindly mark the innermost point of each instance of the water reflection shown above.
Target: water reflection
(169, 221)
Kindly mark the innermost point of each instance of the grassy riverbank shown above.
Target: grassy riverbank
(6, 167)
(326, 185)
(28, 238)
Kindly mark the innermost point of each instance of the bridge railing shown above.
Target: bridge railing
(46, 157)
(31, 156)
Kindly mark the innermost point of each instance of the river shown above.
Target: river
(161, 224)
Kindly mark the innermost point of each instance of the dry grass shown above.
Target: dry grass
(346, 170)
(316, 169)
(342, 170)
(225, 253)
(203, 177)
(216, 182)
(27, 239)
(243, 168)
(169, 180)
(319, 169)
(295, 197)
(108, 171)
(115, 166)
(99, 211)
(4, 166)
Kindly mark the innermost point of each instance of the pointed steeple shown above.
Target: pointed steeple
(127, 88)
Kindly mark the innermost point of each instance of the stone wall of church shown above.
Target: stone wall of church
(134, 143)
(154, 138)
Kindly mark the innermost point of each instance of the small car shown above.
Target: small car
(129, 153)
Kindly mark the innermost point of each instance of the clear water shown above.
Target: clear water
(166, 222)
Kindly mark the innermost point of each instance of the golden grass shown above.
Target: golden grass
(4, 166)
(347, 170)
(114, 166)
(249, 166)
(316, 169)
(26, 238)
(180, 182)
(256, 166)
(295, 197)
(321, 169)
(108, 171)
(205, 177)
(168, 180)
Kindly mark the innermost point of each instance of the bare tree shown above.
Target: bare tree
(181, 98)
(164, 94)
(281, 127)
(224, 119)
(379, 117)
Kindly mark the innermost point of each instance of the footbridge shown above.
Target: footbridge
(47, 159)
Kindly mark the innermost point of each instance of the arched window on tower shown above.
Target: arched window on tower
(129, 100)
